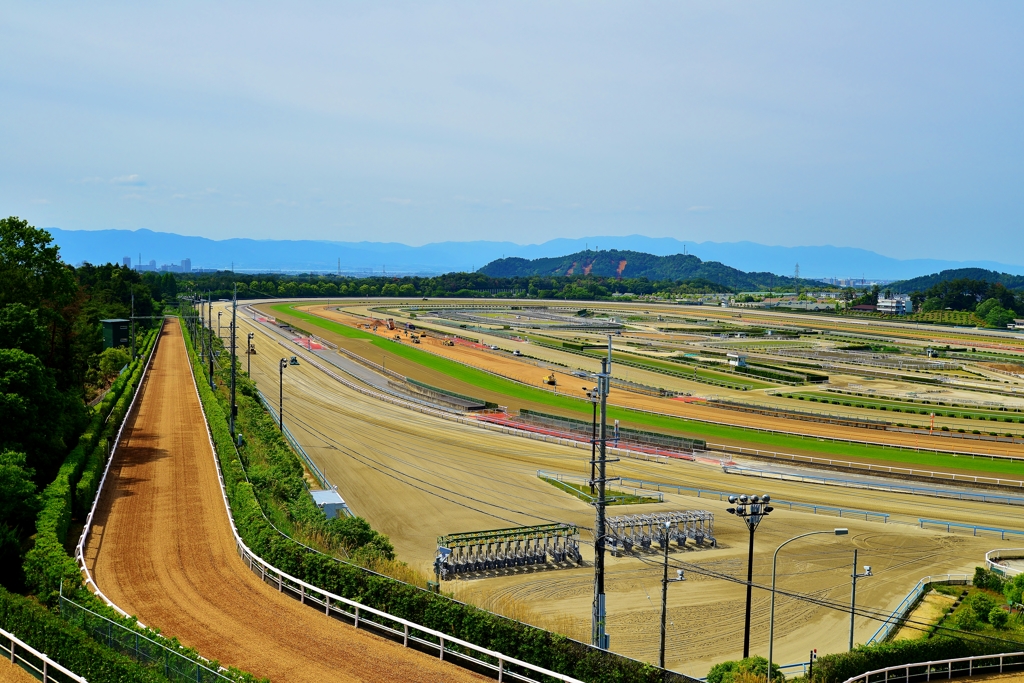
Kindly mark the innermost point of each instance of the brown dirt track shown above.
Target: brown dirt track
(9, 673)
(161, 548)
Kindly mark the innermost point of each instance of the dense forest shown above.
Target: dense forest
(920, 284)
(51, 363)
(634, 264)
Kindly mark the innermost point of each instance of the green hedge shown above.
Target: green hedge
(839, 667)
(47, 564)
(432, 610)
(68, 645)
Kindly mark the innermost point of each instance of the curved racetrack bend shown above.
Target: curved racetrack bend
(161, 548)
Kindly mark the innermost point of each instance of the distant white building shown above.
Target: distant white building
(737, 360)
(127, 261)
(897, 305)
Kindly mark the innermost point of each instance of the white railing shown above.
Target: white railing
(944, 668)
(410, 633)
(80, 548)
(899, 615)
(33, 661)
(992, 557)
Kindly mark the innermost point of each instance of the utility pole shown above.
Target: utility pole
(234, 311)
(209, 355)
(853, 592)
(598, 636)
(133, 325)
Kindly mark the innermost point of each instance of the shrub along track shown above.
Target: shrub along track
(162, 548)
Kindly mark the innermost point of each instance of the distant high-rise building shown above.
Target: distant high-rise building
(186, 265)
(127, 261)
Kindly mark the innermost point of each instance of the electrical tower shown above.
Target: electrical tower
(796, 272)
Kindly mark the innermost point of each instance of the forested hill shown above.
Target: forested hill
(634, 264)
(920, 284)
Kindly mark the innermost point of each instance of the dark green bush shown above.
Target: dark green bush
(68, 645)
(838, 667)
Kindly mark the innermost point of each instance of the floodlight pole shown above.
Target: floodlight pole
(234, 312)
(751, 509)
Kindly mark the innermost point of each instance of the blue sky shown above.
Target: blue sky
(891, 126)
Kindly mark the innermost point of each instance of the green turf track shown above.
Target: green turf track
(783, 443)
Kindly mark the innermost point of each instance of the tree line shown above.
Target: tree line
(51, 363)
(220, 285)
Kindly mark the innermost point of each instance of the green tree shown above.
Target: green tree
(1013, 589)
(33, 410)
(20, 329)
(18, 507)
(112, 360)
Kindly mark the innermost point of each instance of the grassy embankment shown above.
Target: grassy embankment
(712, 432)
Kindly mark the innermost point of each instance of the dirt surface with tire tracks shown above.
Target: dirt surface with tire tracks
(162, 549)
(9, 673)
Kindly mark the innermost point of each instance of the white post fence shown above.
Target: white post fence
(36, 663)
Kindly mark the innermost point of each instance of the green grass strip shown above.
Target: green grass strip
(783, 443)
(583, 493)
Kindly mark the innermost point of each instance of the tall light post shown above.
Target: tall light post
(775, 559)
(280, 398)
(598, 634)
(853, 591)
(234, 357)
(219, 313)
(248, 351)
(664, 595)
(751, 509)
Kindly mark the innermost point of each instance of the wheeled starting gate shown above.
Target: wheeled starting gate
(641, 532)
(474, 552)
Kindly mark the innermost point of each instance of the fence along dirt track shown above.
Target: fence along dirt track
(161, 548)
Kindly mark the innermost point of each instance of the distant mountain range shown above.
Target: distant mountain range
(102, 246)
(919, 284)
(634, 264)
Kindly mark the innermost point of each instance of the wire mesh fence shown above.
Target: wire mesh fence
(173, 664)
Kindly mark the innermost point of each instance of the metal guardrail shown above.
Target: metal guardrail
(973, 527)
(992, 555)
(723, 495)
(409, 633)
(944, 668)
(879, 485)
(36, 663)
(320, 475)
(903, 610)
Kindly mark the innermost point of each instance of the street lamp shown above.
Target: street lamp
(853, 592)
(771, 621)
(219, 313)
(751, 509)
(280, 400)
(248, 351)
(664, 594)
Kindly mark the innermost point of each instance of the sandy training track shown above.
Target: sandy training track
(162, 548)
(9, 673)
(414, 476)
